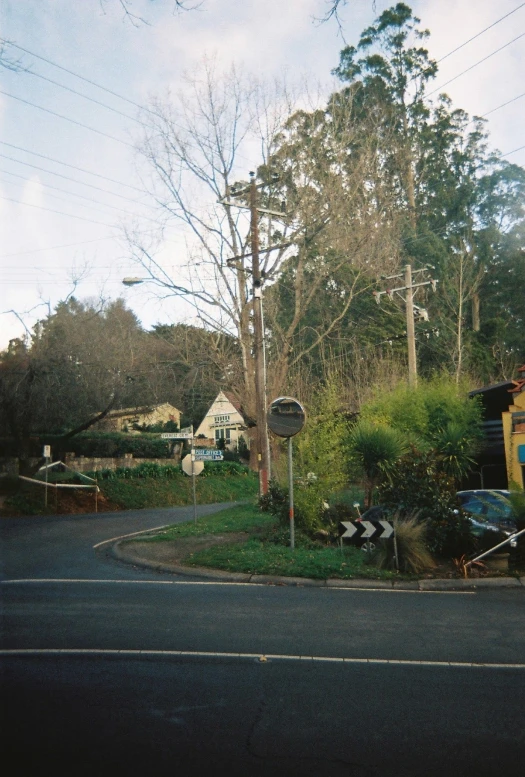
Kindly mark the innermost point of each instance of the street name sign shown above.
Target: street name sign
(366, 530)
(177, 436)
(203, 454)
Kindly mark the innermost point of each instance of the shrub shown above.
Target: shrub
(376, 449)
(114, 444)
(416, 485)
(412, 551)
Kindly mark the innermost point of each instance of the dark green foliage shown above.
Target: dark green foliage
(168, 426)
(276, 502)
(114, 445)
(417, 485)
(172, 471)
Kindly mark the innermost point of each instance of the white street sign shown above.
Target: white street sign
(350, 529)
(365, 530)
(177, 436)
(209, 456)
(47, 451)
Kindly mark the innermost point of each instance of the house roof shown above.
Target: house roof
(494, 387)
(519, 385)
(144, 410)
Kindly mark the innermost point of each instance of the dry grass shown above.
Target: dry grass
(411, 548)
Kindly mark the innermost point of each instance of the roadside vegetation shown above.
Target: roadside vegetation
(130, 489)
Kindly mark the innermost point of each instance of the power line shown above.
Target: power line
(93, 83)
(477, 35)
(514, 151)
(75, 180)
(60, 212)
(54, 248)
(81, 196)
(475, 64)
(73, 167)
(66, 118)
(493, 110)
(82, 78)
(79, 94)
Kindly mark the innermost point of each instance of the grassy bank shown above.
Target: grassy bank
(137, 494)
(22, 498)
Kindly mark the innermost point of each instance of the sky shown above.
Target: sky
(61, 227)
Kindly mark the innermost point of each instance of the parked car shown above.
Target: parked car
(489, 512)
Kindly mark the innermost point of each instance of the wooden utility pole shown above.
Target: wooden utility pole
(411, 311)
(260, 387)
(262, 441)
(411, 330)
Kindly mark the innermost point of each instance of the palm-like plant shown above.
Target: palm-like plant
(376, 449)
(456, 446)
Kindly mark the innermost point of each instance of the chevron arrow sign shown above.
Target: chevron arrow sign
(366, 530)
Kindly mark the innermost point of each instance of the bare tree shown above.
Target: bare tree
(337, 231)
(461, 279)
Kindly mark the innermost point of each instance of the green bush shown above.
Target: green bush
(417, 485)
(114, 444)
(153, 470)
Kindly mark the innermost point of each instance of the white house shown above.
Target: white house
(224, 421)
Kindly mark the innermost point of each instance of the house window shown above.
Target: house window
(223, 434)
(221, 419)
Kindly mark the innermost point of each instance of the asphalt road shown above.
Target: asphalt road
(110, 669)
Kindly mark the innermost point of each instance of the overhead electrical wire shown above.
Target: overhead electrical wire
(66, 118)
(439, 88)
(77, 75)
(80, 196)
(73, 167)
(79, 94)
(56, 248)
(514, 151)
(75, 180)
(51, 210)
(478, 34)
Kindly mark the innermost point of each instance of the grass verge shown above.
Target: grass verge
(257, 557)
(260, 554)
(241, 518)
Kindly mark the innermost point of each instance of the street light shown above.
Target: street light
(133, 281)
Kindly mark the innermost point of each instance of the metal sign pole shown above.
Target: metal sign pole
(193, 476)
(290, 490)
(47, 456)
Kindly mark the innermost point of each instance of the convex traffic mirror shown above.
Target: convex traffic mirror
(286, 417)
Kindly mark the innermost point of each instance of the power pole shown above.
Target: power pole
(410, 311)
(411, 329)
(263, 444)
(260, 382)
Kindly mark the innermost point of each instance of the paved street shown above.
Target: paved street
(111, 669)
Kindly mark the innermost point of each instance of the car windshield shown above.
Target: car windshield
(487, 506)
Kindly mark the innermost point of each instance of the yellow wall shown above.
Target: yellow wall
(515, 470)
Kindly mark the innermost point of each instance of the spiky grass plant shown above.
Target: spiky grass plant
(412, 552)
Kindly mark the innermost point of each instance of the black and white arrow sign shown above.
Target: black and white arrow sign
(365, 530)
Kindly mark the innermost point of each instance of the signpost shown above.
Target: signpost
(47, 456)
(193, 463)
(286, 417)
(368, 530)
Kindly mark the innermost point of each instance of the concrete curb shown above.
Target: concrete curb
(436, 584)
